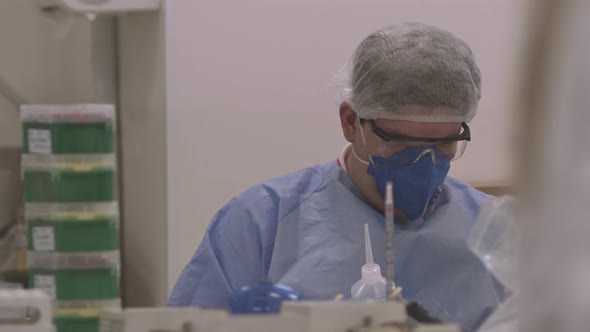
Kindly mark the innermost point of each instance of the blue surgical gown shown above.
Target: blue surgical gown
(305, 230)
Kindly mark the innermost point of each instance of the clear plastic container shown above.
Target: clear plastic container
(372, 286)
(68, 178)
(82, 315)
(73, 227)
(75, 162)
(67, 113)
(80, 211)
(79, 305)
(495, 238)
(52, 260)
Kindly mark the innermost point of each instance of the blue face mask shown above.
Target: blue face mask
(416, 173)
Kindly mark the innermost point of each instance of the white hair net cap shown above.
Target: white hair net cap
(411, 64)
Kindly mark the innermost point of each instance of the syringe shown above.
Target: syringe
(389, 254)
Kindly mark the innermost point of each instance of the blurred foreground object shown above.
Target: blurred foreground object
(554, 171)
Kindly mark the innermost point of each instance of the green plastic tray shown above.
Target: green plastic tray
(69, 138)
(68, 186)
(73, 323)
(73, 235)
(68, 129)
(71, 284)
(81, 316)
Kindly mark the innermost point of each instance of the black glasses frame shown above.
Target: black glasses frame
(465, 135)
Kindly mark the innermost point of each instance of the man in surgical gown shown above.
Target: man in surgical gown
(407, 97)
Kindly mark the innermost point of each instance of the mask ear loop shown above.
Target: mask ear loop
(358, 158)
(365, 144)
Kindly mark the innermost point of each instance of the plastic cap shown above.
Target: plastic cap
(371, 273)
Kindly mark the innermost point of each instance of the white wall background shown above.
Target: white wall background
(247, 94)
(40, 66)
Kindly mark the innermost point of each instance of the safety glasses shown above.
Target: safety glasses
(452, 147)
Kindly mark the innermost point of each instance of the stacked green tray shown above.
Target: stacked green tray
(72, 227)
(73, 235)
(81, 316)
(76, 323)
(67, 138)
(68, 129)
(68, 178)
(76, 276)
(68, 171)
(71, 284)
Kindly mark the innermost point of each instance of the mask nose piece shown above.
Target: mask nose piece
(424, 153)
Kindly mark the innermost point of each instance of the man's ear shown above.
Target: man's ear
(347, 121)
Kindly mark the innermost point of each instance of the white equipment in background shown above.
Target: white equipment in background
(25, 311)
(100, 6)
(296, 316)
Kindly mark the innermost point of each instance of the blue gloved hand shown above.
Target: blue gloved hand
(263, 297)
